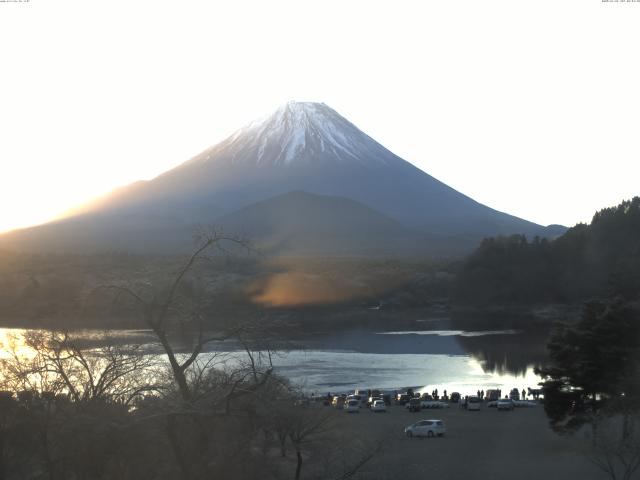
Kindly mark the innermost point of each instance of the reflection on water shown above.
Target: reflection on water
(12, 340)
(449, 333)
(453, 359)
(508, 354)
(330, 371)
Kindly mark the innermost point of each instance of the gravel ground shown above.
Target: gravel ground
(485, 445)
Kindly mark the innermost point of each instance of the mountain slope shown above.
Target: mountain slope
(310, 147)
(301, 147)
(304, 223)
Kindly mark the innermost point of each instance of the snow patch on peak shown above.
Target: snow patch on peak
(311, 107)
(303, 130)
(296, 143)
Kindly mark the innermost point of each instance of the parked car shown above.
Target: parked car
(426, 428)
(378, 406)
(473, 403)
(338, 401)
(414, 405)
(433, 404)
(352, 406)
(492, 395)
(402, 398)
(363, 394)
(505, 404)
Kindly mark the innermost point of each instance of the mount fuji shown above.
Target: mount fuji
(302, 180)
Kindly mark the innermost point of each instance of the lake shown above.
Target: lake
(453, 360)
(447, 359)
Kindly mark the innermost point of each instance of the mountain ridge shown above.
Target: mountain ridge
(305, 147)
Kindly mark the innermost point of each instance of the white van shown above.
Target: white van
(473, 403)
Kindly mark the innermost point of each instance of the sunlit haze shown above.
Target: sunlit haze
(528, 107)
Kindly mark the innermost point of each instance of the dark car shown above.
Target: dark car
(492, 395)
(402, 398)
(414, 405)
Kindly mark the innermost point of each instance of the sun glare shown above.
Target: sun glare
(18, 218)
(46, 204)
(12, 342)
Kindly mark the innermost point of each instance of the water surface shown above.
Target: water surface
(447, 359)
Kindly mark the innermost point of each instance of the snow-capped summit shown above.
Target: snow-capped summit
(302, 132)
(348, 186)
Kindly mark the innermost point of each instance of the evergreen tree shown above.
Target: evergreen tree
(595, 366)
(589, 261)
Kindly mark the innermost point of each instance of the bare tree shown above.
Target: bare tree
(307, 427)
(615, 445)
(57, 387)
(205, 390)
(210, 411)
(55, 363)
(315, 437)
(162, 308)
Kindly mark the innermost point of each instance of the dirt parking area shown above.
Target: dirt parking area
(486, 444)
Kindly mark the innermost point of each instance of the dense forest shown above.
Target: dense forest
(601, 259)
(67, 291)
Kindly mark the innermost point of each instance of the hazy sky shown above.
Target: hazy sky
(531, 107)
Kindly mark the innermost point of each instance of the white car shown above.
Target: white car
(426, 428)
(378, 406)
(352, 406)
